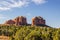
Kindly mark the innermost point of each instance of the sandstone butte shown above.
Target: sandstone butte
(21, 20)
(38, 20)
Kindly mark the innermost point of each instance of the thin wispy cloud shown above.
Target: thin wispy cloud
(28, 14)
(39, 1)
(9, 4)
(2, 16)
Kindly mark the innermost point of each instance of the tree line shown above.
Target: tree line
(30, 32)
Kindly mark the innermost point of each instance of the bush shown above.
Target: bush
(30, 32)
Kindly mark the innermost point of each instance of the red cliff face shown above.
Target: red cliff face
(38, 20)
(20, 20)
(17, 21)
(10, 22)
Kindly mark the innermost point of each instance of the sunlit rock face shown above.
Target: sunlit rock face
(38, 21)
(20, 20)
(10, 22)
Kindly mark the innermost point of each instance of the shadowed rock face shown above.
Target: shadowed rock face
(18, 21)
(38, 20)
(10, 22)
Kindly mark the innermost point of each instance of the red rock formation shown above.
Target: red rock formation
(38, 20)
(10, 22)
(20, 20)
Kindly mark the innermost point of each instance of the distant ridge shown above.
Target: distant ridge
(21, 20)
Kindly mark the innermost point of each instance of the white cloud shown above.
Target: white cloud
(9, 4)
(39, 1)
(4, 8)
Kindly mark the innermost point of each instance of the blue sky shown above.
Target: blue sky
(48, 9)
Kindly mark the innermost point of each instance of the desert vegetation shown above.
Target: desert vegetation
(30, 32)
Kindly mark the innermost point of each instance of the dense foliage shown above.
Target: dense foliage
(30, 32)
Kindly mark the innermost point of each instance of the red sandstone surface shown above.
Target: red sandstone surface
(21, 20)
